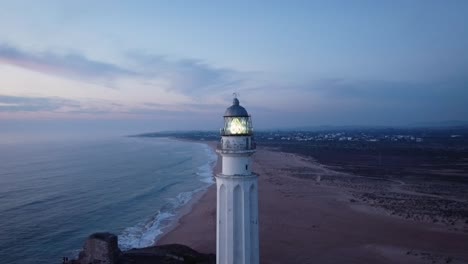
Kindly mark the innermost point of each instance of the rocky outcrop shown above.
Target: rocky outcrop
(102, 248)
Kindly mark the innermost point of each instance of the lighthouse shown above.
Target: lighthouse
(237, 191)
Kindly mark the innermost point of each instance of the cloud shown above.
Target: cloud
(350, 101)
(191, 81)
(34, 104)
(190, 77)
(386, 102)
(75, 66)
(11, 105)
(391, 91)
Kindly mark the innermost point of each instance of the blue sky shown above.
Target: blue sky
(154, 65)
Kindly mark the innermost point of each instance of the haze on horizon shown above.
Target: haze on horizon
(130, 67)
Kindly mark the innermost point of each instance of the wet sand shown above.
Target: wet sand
(305, 221)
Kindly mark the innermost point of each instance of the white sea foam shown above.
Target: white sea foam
(145, 233)
(205, 172)
(148, 232)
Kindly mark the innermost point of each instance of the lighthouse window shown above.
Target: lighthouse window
(246, 167)
(237, 125)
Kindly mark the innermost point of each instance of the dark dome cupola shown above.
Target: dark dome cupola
(236, 109)
(237, 121)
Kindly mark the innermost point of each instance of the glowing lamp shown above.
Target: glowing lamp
(237, 121)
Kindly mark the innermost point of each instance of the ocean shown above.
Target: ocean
(55, 194)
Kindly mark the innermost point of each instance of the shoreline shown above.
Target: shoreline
(303, 220)
(189, 206)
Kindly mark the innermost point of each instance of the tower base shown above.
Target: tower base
(237, 219)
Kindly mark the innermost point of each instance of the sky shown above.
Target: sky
(141, 66)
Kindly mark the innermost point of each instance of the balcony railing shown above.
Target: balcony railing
(235, 147)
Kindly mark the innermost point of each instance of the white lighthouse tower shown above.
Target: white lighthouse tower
(237, 188)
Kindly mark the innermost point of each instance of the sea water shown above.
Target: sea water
(53, 195)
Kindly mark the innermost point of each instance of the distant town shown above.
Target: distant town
(447, 137)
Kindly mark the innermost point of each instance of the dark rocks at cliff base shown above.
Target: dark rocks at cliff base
(173, 253)
(102, 248)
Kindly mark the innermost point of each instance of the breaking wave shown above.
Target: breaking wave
(147, 232)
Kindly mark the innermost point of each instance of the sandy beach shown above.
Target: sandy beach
(303, 220)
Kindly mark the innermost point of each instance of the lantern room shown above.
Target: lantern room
(237, 121)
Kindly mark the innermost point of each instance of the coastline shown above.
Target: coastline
(199, 198)
(303, 220)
